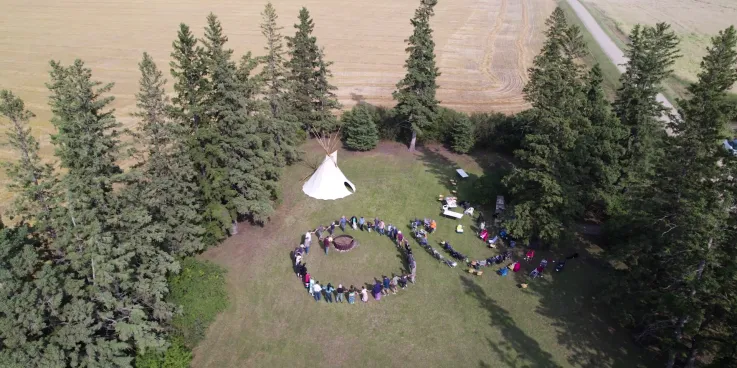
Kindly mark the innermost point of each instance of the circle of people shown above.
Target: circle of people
(381, 287)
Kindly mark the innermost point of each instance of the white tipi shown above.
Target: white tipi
(328, 182)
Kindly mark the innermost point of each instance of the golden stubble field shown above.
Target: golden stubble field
(483, 47)
(694, 21)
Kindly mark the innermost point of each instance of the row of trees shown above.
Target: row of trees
(83, 269)
(668, 200)
(85, 266)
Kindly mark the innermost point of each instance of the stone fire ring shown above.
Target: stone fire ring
(344, 243)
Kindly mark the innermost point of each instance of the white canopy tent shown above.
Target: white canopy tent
(328, 182)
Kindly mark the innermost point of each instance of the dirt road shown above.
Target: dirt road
(607, 45)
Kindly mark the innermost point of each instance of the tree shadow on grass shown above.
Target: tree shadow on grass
(442, 168)
(582, 325)
(518, 349)
(480, 191)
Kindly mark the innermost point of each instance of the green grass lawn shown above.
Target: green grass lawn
(449, 318)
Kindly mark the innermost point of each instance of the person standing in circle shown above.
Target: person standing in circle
(316, 291)
(339, 294)
(329, 293)
(308, 241)
(352, 295)
(364, 294)
(326, 243)
(376, 291)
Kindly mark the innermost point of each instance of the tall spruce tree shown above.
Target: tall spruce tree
(274, 72)
(325, 99)
(190, 108)
(278, 124)
(651, 53)
(679, 241)
(415, 94)
(190, 84)
(33, 294)
(544, 196)
(311, 93)
(250, 170)
(32, 179)
(167, 183)
(36, 303)
(116, 277)
(597, 152)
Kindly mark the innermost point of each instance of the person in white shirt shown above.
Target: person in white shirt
(308, 241)
(316, 291)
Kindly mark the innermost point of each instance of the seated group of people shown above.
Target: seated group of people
(427, 224)
(453, 253)
(497, 259)
(538, 271)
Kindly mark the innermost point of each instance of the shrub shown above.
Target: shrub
(359, 129)
(386, 123)
(499, 132)
(200, 291)
(176, 356)
(463, 135)
(442, 129)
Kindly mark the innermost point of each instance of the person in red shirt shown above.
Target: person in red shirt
(529, 255)
(326, 243)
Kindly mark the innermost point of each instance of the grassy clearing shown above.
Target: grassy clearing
(448, 318)
(596, 54)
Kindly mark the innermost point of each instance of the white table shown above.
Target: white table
(462, 173)
(449, 213)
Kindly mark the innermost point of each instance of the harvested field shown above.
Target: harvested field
(483, 46)
(695, 22)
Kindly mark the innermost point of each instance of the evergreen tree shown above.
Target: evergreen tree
(34, 302)
(190, 84)
(651, 53)
(463, 137)
(359, 129)
(543, 186)
(311, 93)
(680, 282)
(115, 275)
(597, 153)
(248, 172)
(415, 94)
(167, 186)
(278, 123)
(274, 72)
(32, 179)
(190, 108)
(325, 99)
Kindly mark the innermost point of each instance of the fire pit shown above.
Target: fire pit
(344, 243)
